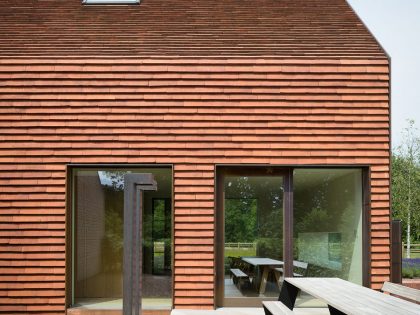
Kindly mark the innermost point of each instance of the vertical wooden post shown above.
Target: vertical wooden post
(396, 252)
(288, 224)
(134, 185)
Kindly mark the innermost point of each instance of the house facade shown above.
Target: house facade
(266, 125)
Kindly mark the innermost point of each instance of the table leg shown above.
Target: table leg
(264, 279)
(277, 275)
(288, 294)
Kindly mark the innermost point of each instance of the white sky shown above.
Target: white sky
(396, 24)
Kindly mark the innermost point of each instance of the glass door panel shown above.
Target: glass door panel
(328, 224)
(98, 219)
(253, 242)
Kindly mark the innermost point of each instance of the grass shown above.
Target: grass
(240, 252)
(237, 252)
(415, 254)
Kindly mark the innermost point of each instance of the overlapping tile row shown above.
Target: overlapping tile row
(194, 229)
(184, 28)
(192, 113)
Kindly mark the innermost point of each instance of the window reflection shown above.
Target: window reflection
(327, 232)
(253, 235)
(328, 222)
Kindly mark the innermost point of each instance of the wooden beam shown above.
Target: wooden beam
(134, 185)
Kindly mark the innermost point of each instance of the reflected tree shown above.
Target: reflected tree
(253, 213)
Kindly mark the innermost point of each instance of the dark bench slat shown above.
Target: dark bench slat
(300, 264)
(239, 273)
(239, 277)
(294, 274)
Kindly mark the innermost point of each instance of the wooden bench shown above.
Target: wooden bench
(239, 277)
(276, 308)
(280, 270)
(401, 291)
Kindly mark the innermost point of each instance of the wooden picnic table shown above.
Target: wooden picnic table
(265, 264)
(343, 297)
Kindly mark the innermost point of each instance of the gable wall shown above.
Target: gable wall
(192, 113)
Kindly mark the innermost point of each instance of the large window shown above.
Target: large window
(328, 222)
(98, 207)
(327, 230)
(325, 239)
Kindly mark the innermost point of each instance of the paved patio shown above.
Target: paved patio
(248, 311)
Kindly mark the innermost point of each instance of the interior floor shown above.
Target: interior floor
(251, 296)
(249, 290)
(156, 296)
(116, 304)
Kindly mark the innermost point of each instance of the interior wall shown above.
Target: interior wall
(90, 230)
(99, 204)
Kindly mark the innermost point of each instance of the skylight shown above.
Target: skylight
(111, 1)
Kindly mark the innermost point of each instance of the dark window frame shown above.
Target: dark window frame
(69, 189)
(167, 208)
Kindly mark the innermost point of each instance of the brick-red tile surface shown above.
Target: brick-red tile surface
(184, 28)
(191, 83)
(192, 113)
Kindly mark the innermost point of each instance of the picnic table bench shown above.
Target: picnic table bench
(300, 265)
(402, 291)
(239, 277)
(276, 308)
(240, 272)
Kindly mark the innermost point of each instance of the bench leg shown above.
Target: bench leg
(334, 311)
(288, 294)
(266, 311)
(234, 280)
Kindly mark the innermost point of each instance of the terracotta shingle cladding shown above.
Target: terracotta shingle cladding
(184, 28)
(192, 113)
(248, 82)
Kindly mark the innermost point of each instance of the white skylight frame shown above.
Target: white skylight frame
(111, 1)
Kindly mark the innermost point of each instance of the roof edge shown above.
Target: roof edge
(173, 59)
(388, 56)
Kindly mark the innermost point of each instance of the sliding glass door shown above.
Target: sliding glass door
(276, 222)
